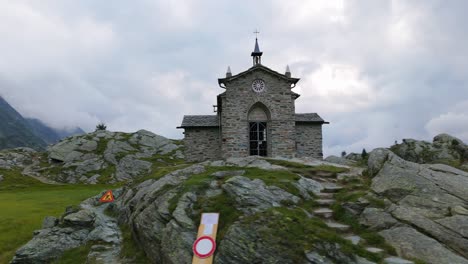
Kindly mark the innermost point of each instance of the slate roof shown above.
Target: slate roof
(309, 117)
(200, 121)
(212, 120)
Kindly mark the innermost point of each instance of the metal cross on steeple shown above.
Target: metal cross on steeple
(256, 32)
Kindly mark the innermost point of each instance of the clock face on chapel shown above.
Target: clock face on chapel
(258, 86)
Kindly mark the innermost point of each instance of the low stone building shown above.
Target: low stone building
(255, 116)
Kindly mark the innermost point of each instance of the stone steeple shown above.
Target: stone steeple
(288, 71)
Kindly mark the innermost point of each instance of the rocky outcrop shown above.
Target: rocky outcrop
(77, 226)
(161, 213)
(421, 220)
(99, 157)
(444, 148)
(18, 157)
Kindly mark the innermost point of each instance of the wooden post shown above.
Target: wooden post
(208, 227)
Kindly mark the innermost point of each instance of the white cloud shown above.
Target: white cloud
(454, 122)
(377, 70)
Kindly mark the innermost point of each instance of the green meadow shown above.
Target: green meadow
(24, 202)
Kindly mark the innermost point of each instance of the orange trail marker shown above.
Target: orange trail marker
(107, 197)
(205, 245)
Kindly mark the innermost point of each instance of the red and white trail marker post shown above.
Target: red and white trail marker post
(205, 245)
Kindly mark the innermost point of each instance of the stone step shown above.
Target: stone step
(324, 201)
(375, 250)
(397, 260)
(325, 195)
(332, 188)
(338, 226)
(354, 239)
(324, 212)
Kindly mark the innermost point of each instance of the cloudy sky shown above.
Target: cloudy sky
(378, 70)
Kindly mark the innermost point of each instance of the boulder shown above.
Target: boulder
(83, 218)
(307, 187)
(1, 178)
(49, 244)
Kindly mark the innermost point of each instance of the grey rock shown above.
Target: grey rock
(223, 174)
(354, 156)
(49, 222)
(253, 162)
(90, 145)
(308, 186)
(443, 148)
(430, 190)
(458, 210)
(395, 260)
(376, 160)
(83, 218)
(377, 219)
(93, 179)
(339, 160)
(115, 147)
(1, 177)
(218, 163)
(89, 165)
(314, 257)
(255, 196)
(410, 243)
(457, 223)
(129, 167)
(451, 238)
(49, 244)
(180, 213)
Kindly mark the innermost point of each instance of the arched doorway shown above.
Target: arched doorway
(258, 130)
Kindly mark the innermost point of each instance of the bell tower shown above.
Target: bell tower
(256, 54)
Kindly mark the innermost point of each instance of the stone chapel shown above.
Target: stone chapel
(255, 116)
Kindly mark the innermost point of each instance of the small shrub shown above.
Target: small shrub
(101, 127)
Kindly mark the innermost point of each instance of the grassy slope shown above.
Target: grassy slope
(24, 202)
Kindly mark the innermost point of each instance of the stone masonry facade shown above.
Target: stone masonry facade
(239, 99)
(257, 97)
(202, 144)
(309, 140)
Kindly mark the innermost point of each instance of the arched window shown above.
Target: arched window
(259, 112)
(258, 117)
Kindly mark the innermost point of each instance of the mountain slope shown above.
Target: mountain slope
(15, 131)
(48, 134)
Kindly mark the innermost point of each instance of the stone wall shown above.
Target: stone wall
(202, 143)
(309, 140)
(238, 101)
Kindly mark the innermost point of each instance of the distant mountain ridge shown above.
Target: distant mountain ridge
(48, 134)
(17, 131)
